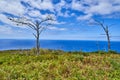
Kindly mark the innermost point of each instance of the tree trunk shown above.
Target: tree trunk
(37, 42)
(108, 38)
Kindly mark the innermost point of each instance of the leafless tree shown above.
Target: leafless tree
(38, 26)
(106, 30)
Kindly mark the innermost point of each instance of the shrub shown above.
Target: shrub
(113, 52)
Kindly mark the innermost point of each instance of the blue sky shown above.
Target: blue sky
(72, 18)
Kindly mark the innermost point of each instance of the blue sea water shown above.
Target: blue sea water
(66, 45)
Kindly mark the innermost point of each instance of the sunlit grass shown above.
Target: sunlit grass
(59, 65)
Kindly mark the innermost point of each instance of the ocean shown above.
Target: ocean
(66, 45)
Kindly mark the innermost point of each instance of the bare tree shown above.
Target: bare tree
(38, 26)
(106, 30)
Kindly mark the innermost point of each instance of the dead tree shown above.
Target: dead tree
(106, 30)
(37, 26)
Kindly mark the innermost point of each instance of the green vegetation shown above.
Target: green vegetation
(59, 65)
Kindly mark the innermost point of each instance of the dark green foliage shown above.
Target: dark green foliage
(113, 52)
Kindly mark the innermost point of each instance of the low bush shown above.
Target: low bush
(59, 65)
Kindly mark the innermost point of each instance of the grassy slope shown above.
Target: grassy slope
(54, 66)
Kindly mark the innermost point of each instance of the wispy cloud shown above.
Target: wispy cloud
(13, 7)
(96, 7)
(90, 8)
(85, 17)
(56, 22)
(5, 29)
(56, 28)
(68, 12)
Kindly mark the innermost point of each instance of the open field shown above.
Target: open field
(59, 65)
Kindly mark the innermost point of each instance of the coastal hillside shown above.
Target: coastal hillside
(59, 65)
(59, 39)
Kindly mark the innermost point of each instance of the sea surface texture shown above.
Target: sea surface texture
(66, 45)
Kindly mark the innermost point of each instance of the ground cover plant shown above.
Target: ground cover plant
(59, 65)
